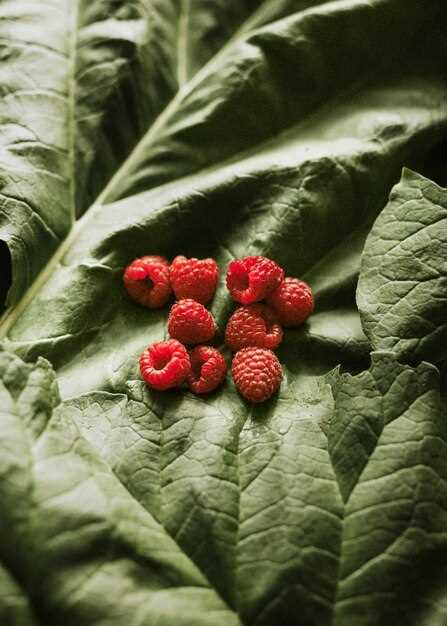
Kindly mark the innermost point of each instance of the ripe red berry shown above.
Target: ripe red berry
(165, 364)
(194, 278)
(155, 258)
(253, 278)
(253, 325)
(147, 281)
(257, 373)
(190, 322)
(208, 369)
(293, 302)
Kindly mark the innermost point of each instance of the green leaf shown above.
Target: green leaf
(134, 95)
(403, 279)
(393, 479)
(81, 547)
(15, 609)
(280, 202)
(223, 128)
(80, 85)
(249, 518)
(60, 65)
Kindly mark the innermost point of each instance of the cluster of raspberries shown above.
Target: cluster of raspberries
(269, 302)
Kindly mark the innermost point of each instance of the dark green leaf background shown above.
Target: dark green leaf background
(223, 128)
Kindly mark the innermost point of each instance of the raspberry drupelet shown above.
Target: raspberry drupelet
(257, 373)
(194, 278)
(147, 281)
(293, 302)
(253, 325)
(253, 278)
(165, 364)
(190, 322)
(156, 258)
(208, 369)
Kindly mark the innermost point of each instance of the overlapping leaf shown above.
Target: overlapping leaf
(222, 128)
(81, 83)
(80, 547)
(112, 99)
(281, 202)
(139, 511)
(402, 292)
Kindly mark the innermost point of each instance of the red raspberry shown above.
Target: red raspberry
(253, 325)
(253, 278)
(257, 373)
(147, 281)
(155, 258)
(293, 302)
(194, 278)
(208, 369)
(165, 364)
(190, 322)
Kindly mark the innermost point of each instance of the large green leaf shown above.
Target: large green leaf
(402, 292)
(222, 128)
(122, 105)
(81, 83)
(116, 508)
(81, 547)
(65, 74)
(280, 201)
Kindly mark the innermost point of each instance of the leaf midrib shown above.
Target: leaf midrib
(182, 43)
(71, 100)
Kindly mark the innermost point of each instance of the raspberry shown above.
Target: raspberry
(293, 302)
(194, 278)
(165, 364)
(190, 322)
(147, 281)
(257, 373)
(253, 278)
(208, 369)
(155, 258)
(253, 325)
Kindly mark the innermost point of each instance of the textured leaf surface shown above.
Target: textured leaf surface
(81, 83)
(402, 293)
(280, 202)
(132, 95)
(81, 547)
(15, 609)
(61, 62)
(394, 530)
(224, 129)
(255, 506)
